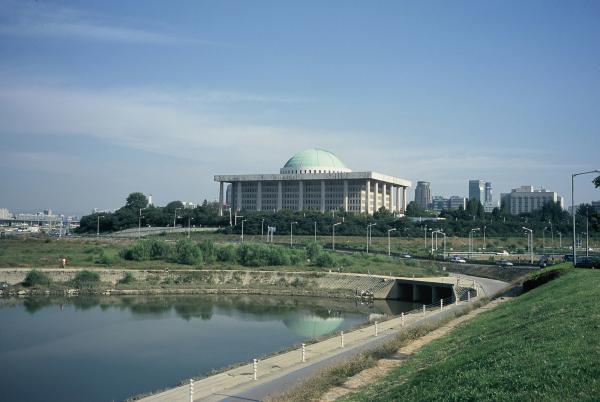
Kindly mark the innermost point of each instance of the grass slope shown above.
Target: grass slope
(544, 345)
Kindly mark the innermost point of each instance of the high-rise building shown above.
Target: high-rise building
(525, 199)
(423, 194)
(438, 203)
(455, 202)
(150, 202)
(5, 213)
(488, 191)
(477, 190)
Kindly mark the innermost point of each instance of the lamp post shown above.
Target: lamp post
(559, 240)
(551, 233)
(484, 227)
(262, 226)
(369, 234)
(98, 225)
(292, 233)
(443, 234)
(544, 237)
(140, 223)
(425, 237)
(333, 235)
(574, 212)
(244, 220)
(389, 241)
(530, 240)
(175, 217)
(315, 231)
(190, 219)
(471, 240)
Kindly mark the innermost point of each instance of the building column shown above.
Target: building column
(368, 194)
(345, 196)
(259, 196)
(220, 198)
(384, 196)
(322, 195)
(279, 196)
(300, 195)
(238, 196)
(398, 205)
(392, 198)
(376, 197)
(404, 199)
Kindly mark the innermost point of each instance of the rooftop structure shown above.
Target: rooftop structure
(314, 179)
(525, 199)
(423, 194)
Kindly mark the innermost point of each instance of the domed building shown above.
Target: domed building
(314, 179)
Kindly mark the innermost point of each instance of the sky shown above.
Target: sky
(101, 99)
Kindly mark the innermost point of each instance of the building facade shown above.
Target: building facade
(442, 203)
(477, 190)
(314, 179)
(525, 199)
(423, 194)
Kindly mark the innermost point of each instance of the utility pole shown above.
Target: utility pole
(333, 235)
(389, 242)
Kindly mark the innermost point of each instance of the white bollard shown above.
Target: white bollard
(456, 301)
(402, 316)
(191, 390)
(441, 304)
(376, 329)
(469, 296)
(423, 310)
(303, 352)
(255, 364)
(342, 339)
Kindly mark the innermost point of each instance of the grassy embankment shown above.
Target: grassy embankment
(91, 253)
(543, 345)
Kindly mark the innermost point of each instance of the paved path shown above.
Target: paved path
(285, 370)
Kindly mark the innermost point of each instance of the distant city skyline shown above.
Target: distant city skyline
(98, 100)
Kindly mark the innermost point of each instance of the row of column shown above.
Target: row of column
(396, 193)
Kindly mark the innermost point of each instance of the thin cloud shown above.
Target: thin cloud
(47, 21)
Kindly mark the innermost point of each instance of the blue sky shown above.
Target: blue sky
(99, 99)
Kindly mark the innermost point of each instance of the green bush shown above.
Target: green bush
(140, 251)
(278, 256)
(127, 278)
(313, 250)
(326, 260)
(86, 279)
(226, 254)
(36, 278)
(104, 259)
(209, 251)
(187, 252)
(297, 257)
(253, 255)
(158, 249)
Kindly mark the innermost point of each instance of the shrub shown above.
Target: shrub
(209, 251)
(313, 250)
(543, 277)
(127, 278)
(253, 255)
(187, 252)
(86, 279)
(326, 260)
(36, 278)
(297, 257)
(158, 249)
(226, 254)
(140, 251)
(104, 259)
(278, 256)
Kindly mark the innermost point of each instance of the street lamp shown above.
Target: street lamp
(544, 237)
(243, 229)
(573, 209)
(559, 240)
(484, 227)
(443, 234)
(190, 219)
(315, 232)
(292, 233)
(333, 235)
(471, 240)
(530, 240)
(389, 241)
(369, 234)
(140, 223)
(262, 226)
(98, 225)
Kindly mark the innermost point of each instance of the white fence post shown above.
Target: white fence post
(303, 352)
(456, 300)
(255, 364)
(441, 304)
(191, 390)
(376, 329)
(402, 316)
(342, 338)
(468, 295)
(423, 310)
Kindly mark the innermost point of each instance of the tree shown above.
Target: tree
(414, 209)
(136, 201)
(597, 182)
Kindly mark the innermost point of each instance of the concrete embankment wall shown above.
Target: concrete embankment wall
(345, 284)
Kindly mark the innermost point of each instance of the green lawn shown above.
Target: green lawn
(543, 345)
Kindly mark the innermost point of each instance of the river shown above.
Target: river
(110, 348)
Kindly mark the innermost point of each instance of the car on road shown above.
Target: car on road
(458, 259)
(406, 255)
(505, 263)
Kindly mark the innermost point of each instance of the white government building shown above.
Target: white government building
(314, 179)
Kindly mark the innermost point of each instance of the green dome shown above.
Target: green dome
(314, 160)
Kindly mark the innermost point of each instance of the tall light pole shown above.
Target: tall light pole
(471, 233)
(559, 240)
(98, 225)
(544, 238)
(315, 231)
(587, 236)
(369, 234)
(443, 234)
(175, 217)
(292, 233)
(262, 227)
(244, 220)
(425, 236)
(333, 235)
(551, 232)
(190, 219)
(140, 223)
(530, 238)
(574, 212)
(484, 227)
(389, 241)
